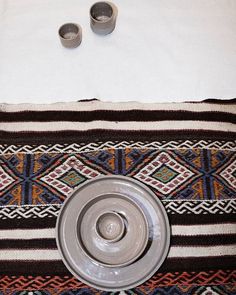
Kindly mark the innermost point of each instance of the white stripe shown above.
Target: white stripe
(43, 254)
(121, 106)
(111, 125)
(27, 234)
(183, 230)
(202, 251)
(205, 229)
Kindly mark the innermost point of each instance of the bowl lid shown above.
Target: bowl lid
(113, 233)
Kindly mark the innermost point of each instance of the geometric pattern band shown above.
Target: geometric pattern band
(172, 207)
(180, 174)
(25, 212)
(95, 146)
(171, 290)
(160, 280)
(185, 153)
(185, 278)
(200, 207)
(183, 290)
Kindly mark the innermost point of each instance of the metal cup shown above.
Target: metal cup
(70, 35)
(103, 17)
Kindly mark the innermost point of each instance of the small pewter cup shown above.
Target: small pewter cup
(70, 35)
(103, 17)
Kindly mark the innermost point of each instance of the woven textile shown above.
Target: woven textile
(186, 153)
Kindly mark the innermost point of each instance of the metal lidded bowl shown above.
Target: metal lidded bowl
(113, 233)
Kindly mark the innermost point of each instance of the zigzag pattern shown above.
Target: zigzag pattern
(200, 207)
(78, 148)
(40, 283)
(12, 212)
(185, 290)
(172, 207)
(159, 280)
(173, 290)
(192, 278)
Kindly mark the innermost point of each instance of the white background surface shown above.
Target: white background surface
(161, 50)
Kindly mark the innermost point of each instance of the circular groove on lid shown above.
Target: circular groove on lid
(113, 233)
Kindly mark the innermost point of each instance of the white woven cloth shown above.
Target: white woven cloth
(161, 50)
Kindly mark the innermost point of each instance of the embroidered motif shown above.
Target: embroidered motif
(172, 174)
(165, 174)
(159, 280)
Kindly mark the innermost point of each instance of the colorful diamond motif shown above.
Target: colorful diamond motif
(164, 173)
(72, 178)
(5, 179)
(229, 174)
(48, 178)
(68, 175)
(234, 173)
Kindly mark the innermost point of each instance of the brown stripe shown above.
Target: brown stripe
(108, 115)
(198, 264)
(28, 244)
(190, 219)
(88, 100)
(169, 265)
(71, 136)
(27, 223)
(33, 268)
(193, 241)
(206, 240)
(216, 101)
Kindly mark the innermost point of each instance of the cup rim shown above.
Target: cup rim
(102, 2)
(122, 226)
(71, 24)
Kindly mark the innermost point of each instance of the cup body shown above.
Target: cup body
(103, 17)
(70, 35)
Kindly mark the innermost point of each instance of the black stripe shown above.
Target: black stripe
(217, 101)
(70, 136)
(204, 240)
(198, 264)
(26, 184)
(27, 223)
(171, 264)
(28, 244)
(119, 157)
(120, 116)
(193, 241)
(175, 219)
(87, 99)
(33, 268)
(191, 219)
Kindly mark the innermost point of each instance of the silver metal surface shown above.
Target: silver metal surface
(133, 239)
